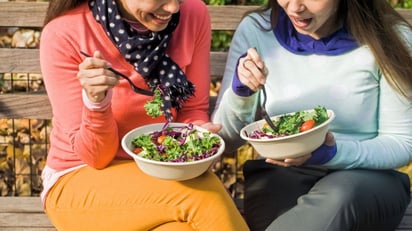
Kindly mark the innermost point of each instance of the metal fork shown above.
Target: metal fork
(263, 111)
(134, 87)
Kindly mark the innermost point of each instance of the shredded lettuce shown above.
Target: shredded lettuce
(153, 107)
(290, 124)
(181, 144)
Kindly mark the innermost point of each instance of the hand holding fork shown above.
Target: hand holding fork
(132, 85)
(253, 74)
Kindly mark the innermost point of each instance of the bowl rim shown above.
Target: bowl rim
(330, 112)
(168, 163)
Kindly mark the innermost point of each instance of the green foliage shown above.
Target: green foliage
(221, 40)
(215, 2)
(407, 4)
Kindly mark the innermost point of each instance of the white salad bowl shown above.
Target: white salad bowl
(178, 171)
(291, 146)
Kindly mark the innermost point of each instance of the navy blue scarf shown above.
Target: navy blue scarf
(147, 53)
(337, 43)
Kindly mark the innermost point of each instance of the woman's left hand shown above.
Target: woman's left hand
(290, 162)
(328, 142)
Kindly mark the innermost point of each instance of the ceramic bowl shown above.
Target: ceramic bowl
(168, 170)
(291, 146)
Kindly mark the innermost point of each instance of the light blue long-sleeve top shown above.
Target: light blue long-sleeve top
(373, 124)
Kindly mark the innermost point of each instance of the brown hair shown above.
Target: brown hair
(58, 7)
(373, 23)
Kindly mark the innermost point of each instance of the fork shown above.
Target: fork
(263, 111)
(134, 87)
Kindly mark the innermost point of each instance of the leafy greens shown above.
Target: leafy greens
(289, 124)
(176, 144)
(154, 107)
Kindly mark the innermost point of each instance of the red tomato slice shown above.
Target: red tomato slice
(137, 150)
(308, 124)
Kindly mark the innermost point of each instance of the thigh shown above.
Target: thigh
(89, 199)
(271, 190)
(350, 200)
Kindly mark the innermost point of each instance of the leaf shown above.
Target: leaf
(154, 107)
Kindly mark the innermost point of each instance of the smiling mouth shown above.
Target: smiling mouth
(162, 17)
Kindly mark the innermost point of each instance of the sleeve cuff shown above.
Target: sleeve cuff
(100, 106)
(322, 155)
(239, 88)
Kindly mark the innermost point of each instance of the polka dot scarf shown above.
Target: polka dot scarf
(147, 53)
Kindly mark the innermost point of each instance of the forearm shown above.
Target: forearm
(90, 136)
(391, 148)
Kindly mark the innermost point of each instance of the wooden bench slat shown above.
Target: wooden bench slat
(27, 61)
(24, 220)
(217, 63)
(406, 223)
(20, 204)
(19, 60)
(36, 106)
(22, 14)
(227, 17)
(31, 14)
(28, 229)
(23, 213)
(406, 13)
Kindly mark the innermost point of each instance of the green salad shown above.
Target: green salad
(176, 144)
(289, 124)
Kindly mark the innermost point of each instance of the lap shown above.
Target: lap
(122, 194)
(273, 191)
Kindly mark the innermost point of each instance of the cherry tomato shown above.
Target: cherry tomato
(161, 138)
(308, 124)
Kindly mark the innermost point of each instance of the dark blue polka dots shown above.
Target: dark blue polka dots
(147, 53)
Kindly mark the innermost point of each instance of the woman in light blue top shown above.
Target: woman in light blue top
(351, 56)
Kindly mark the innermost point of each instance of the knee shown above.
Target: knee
(334, 198)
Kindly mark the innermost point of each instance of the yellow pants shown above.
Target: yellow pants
(122, 198)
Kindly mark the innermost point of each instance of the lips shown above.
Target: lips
(300, 22)
(162, 17)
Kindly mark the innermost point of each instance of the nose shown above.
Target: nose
(172, 6)
(295, 6)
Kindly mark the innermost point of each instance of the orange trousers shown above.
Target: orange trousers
(122, 198)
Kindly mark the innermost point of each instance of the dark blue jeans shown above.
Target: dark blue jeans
(317, 199)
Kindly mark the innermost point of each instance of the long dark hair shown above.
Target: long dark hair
(373, 23)
(58, 7)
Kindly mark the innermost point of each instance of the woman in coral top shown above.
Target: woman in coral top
(89, 182)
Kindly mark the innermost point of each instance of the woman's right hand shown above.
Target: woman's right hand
(95, 77)
(251, 70)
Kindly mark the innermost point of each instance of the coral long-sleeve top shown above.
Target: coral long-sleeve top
(91, 135)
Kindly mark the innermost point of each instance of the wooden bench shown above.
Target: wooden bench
(25, 213)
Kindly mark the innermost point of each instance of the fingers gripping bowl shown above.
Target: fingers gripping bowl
(288, 146)
(177, 169)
